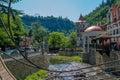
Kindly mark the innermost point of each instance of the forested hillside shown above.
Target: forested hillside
(99, 14)
(51, 23)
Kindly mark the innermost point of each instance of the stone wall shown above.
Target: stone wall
(95, 57)
(4, 72)
(20, 71)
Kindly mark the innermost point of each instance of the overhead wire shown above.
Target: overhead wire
(88, 66)
(35, 65)
(90, 71)
(55, 74)
(18, 48)
(98, 74)
(2, 53)
(41, 67)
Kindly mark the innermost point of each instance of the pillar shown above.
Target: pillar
(83, 44)
(88, 44)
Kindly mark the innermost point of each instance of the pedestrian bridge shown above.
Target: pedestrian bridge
(18, 69)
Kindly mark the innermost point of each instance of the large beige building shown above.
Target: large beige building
(85, 33)
(113, 22)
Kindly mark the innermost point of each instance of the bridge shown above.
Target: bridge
(95, 58)
(16, 67)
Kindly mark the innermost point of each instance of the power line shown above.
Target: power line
(18, 48)
(91, 71)
(88, 66)
(98, 74)
(63, 71)
(47, 69)
(55, 75)
(18, 60)
(74, 69)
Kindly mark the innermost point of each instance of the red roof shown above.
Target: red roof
(81, 19)
(93, 28)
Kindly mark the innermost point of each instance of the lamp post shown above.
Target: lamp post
(43, 47)
(26, 53)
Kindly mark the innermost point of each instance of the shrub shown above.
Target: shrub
(37, 76)
(64, 59)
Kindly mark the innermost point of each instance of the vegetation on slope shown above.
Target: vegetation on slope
(51, 23)
(98, 16)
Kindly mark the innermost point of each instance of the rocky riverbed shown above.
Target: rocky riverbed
(77, 72)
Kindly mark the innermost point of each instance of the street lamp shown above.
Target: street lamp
(26, 54)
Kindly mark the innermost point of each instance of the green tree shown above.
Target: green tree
(17, 30)
(39, 32)
(56, 39)
(10, 23)
(72, 39)
(5, 6)
(40, 36)
(56, 24)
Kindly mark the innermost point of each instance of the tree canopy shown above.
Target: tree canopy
(39, 32)
(11, 24)
(55, 39)
(57, 24)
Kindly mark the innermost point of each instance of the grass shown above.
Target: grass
(64, 59)
(37, 76)
(41, 74)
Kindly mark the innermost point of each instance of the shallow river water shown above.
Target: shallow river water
(72, 75)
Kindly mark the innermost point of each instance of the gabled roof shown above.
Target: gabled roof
(81, 19)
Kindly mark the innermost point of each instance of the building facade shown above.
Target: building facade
(81, 25)
(87, 36)
(85, 33)
(113, 22)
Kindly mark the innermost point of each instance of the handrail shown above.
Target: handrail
(3, 64)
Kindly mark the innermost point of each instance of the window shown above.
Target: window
(113, 32)
(119, 10)
(109, 17)
(117, 32)
(114, 17)
(83, 25)
(114, 14)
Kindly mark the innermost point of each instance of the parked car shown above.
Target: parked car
(12, 52)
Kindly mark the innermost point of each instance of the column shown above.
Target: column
(83, 44)
(88, 44)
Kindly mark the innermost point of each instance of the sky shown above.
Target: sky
(65, 8)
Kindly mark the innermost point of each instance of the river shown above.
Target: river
(73, 75)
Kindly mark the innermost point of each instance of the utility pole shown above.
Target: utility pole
(26, 53)
(43, 47)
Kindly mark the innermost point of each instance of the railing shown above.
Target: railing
(19, 56)
(81, 75)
